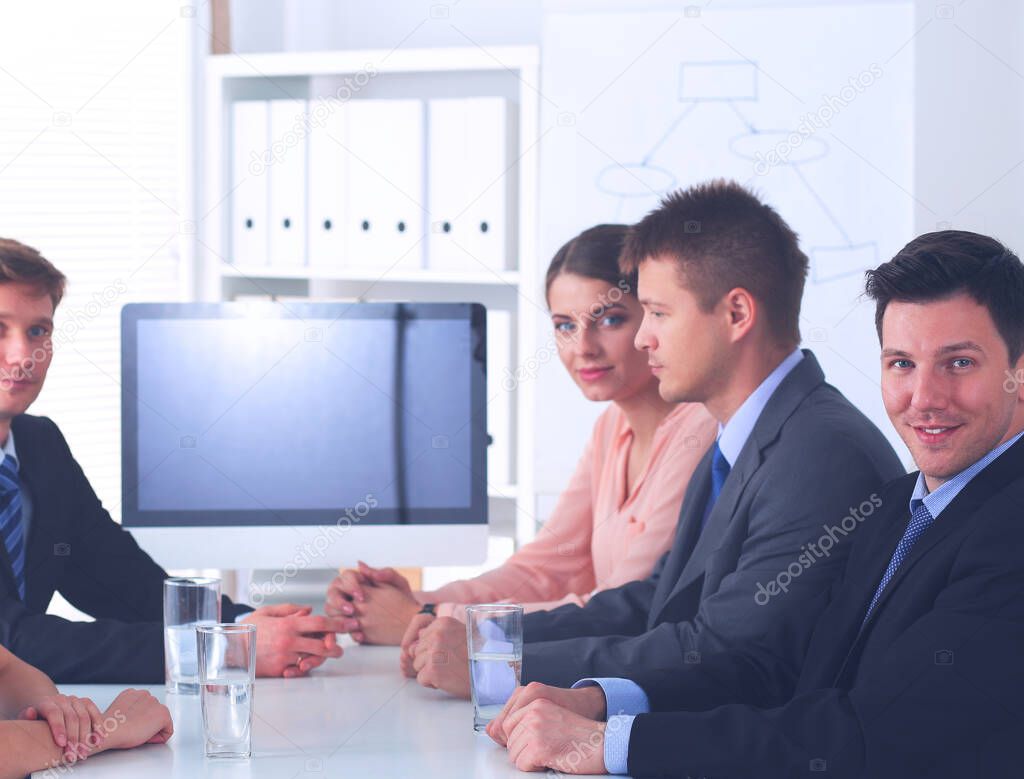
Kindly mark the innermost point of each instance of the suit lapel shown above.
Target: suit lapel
(721, 515)
(805, 377)
(965, 505)
(39, 552)
(687, 530)
(870, 567)
(963, 510)
(7, 570)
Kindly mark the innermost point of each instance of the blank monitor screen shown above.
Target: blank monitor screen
(286, 414)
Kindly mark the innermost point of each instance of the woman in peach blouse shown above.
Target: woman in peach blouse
(618, 514)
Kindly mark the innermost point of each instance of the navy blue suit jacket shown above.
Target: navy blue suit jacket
(931, 686)
(75, 548)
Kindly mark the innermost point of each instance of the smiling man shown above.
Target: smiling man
(57, 537)
(914, 669)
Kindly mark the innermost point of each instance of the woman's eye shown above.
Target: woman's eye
(564, 327)
(612, 320)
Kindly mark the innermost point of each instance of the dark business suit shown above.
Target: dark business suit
(75, 548)
(931, 686)
(810, 458)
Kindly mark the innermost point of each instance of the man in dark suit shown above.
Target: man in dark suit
(915, 668)
(721, 280)
(57, 537)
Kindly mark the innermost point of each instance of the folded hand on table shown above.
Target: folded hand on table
(290, 641)
(378, 601)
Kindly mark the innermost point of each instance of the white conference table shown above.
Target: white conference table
(356, 716)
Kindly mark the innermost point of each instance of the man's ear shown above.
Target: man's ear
(742, 310)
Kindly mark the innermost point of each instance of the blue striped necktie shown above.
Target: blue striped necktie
(920, 520)
(11, 526)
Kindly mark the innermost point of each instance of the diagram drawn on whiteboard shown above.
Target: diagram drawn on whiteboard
(735, 82)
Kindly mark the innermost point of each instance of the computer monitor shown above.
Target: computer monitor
(258, 434)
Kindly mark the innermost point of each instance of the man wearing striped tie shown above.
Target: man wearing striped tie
(916, 667)
(57, 537)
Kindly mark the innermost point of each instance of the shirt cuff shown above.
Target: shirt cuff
(621, 696)
(616, 743)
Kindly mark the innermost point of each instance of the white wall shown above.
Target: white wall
(969, 119)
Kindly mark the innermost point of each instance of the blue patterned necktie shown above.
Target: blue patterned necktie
(719, 471)
(11, 526)
(920, 520)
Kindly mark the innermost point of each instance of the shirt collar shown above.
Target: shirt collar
(734, 434)
(9, 450)
(937, 501)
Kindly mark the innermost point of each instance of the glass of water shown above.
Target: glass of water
(187, 602)
(494, 632)
(227, 671)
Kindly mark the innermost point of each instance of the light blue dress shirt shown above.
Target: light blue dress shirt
(624, 697)
(937, 501)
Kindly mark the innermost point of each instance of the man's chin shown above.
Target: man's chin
(11, 408)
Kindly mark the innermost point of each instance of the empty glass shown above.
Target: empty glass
(494, 632)
(227, 671)
(187, 602)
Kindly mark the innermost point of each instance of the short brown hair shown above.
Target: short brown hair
(23, 264)
(722, 237)
(937, 266)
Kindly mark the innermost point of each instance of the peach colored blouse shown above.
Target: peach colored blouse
(597, 536)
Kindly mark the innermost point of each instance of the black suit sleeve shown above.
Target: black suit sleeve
(778, 530)
(109, 577)
(621, 610)
(909, 716)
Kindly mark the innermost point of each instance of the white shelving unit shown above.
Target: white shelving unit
(508, 72)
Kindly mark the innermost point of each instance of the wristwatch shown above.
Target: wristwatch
(429, 608)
